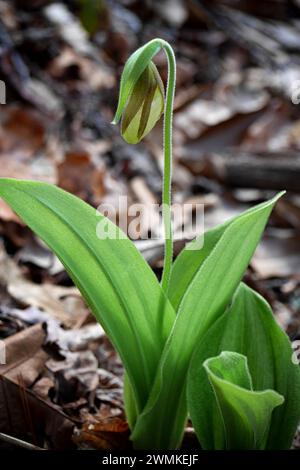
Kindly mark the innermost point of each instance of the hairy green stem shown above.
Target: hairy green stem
(167, 177)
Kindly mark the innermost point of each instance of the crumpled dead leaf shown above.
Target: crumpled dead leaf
(277, 257)
(26, 416)
(60, 341)
(47, 297)
(23, 413)
(110, 433)
(79, 175)
(24, 356)
(75, 377)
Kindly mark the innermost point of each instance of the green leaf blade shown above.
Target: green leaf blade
(203, 303)
(116, 282)
(249, 328)
(190, 259)
(246, 414)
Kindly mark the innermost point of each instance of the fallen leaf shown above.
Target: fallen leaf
(110, 433)
(277, 256)
(26, 416)
(88, 73)
(24, 355)
(60, 341)
(47, 297)
(75, 377)
(79, 175)
(22, 413)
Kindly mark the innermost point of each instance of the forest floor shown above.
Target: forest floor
(236, 142)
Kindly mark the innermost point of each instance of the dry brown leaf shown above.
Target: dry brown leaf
(22, 137)
(21, 132)
(79, 175)
(110, 433)
(47, 297)
(22, 413)
(26, 416)
(24, 356)
(277, 257)
(89, 72)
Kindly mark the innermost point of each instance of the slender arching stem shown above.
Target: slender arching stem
(167, 177)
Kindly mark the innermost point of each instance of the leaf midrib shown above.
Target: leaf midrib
(104, 270)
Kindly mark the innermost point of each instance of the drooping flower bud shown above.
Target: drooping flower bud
(137, 63)
(144, 107)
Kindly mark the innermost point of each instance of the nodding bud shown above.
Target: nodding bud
(144, 107)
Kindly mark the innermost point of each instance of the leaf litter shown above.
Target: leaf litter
(236, 141)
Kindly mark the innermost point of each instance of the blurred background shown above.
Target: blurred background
(236, 142)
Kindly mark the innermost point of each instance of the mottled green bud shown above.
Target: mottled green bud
(144, 107)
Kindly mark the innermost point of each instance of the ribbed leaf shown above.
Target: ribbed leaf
(130, 406)
(116, 282)
(246, 414)
(189, 260)
(249, 328)
(203, 303)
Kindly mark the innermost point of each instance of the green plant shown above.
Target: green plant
(182, 342)
(237, 412)
(141, 108)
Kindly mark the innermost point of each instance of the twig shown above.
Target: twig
(18, 442)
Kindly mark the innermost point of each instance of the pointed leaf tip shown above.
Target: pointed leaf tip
(246, 414)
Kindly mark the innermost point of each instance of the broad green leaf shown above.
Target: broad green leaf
(130, 406)
(189, 260)
(188, 263)
(203, 303)
(246, 414)
(134, 67)
(249, 328)
(112, 276)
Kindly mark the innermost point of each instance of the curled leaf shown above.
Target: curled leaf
(246, 414)
(248, 327)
